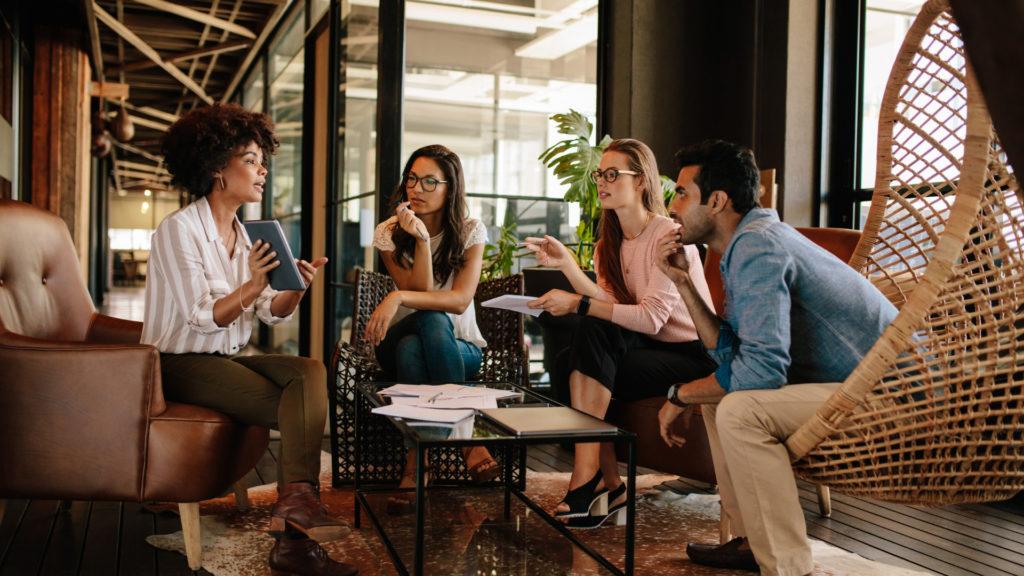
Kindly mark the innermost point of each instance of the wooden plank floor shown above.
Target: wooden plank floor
(108, 539)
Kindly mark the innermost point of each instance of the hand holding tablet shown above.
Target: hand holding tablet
(285, 276)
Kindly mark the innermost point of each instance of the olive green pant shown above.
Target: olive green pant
(288, 393)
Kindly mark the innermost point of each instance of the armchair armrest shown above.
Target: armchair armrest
(107, 329)
(75, 416)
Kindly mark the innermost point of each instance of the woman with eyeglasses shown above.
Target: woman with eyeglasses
(426, 331)
(635, 337)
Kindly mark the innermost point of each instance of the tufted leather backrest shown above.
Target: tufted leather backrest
(42, 294)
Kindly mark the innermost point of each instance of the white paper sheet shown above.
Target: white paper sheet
(439, 393)
(425, 414)
(513, 302)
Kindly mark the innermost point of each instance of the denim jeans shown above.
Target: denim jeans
(422, 348)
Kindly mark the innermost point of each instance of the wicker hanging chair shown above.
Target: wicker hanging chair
(934, 413)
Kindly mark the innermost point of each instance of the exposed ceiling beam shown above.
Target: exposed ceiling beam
(142, 175)
(172, 118)
(140, 121)
(180, 56)
(139, 151)
(271, 23)
(140, 184)
(148, 51)
(224, 36)
(156, 170)
(94, 39)
(198, 17)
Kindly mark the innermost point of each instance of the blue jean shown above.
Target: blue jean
(422, 348)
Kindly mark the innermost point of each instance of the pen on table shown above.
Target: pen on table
(434, 397)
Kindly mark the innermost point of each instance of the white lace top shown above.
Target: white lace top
(465, 323)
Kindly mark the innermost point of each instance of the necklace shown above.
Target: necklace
(637, 235)
(627, 262)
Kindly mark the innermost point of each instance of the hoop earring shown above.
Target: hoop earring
(221, 180)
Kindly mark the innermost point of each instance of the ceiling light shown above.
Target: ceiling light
(122, 193)
(148, 193)
(145, 207)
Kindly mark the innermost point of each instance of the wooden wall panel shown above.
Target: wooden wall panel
(60, 125)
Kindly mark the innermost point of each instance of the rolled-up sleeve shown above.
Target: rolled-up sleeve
(181, 262)
(753, 343)
(263, 310)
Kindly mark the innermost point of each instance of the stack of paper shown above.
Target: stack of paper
(428, 414)
(446, 403)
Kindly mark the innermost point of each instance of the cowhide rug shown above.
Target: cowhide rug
(466, 534)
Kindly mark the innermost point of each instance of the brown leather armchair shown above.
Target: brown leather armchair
(82, 412)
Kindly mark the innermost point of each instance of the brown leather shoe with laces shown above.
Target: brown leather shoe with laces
(304, 557)
(298, 507)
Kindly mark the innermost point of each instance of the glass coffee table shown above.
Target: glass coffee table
(479, 431)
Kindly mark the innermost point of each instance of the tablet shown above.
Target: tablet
(286, 276)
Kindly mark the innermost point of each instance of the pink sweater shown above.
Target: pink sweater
(660, 311)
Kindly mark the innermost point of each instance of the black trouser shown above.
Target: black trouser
(629, 364)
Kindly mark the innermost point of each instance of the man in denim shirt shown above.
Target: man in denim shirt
(797, 322)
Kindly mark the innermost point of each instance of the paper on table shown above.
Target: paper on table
(444, 403)
(477, 402)
(513, 302)
(441, 392)
(427, 414)
(418, 389)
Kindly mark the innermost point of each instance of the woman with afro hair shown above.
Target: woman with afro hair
(206, 283)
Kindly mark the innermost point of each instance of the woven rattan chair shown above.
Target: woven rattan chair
(934, 414)
(504, 360)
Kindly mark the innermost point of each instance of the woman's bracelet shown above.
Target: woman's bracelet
(242, 303)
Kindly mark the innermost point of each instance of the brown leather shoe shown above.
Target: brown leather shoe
(304, 557)
(298, 506)
(728, 555)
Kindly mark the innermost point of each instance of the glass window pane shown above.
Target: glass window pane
(483, 79)
(355, 215)
(885, 25)
(317, 9)
(252, 88)
(285, 178)
(286, 97)
(288, 44)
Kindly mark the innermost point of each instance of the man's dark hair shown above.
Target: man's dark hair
(724, 166)
(202, 141)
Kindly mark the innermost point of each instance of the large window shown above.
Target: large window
(285, 71)
(354, 196)
(483, 80)
(885, 24)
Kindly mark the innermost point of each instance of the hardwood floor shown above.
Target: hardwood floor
(108, 538)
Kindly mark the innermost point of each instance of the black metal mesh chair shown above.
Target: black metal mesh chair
(504, 360)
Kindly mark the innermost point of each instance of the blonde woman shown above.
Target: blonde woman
(635, 338)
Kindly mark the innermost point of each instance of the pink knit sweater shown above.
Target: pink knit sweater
(659, 312)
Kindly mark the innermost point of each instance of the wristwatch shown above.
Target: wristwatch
(583, 306)
(673, 396)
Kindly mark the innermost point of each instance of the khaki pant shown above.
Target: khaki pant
(288, 393)
(747, 432)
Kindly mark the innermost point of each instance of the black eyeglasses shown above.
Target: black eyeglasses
(428, 183)
(610, 175)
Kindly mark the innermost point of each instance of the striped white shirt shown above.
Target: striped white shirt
(189, 270)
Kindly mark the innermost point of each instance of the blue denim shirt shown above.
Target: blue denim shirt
(795, 313)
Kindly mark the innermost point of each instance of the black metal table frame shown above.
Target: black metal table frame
(506, 444)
